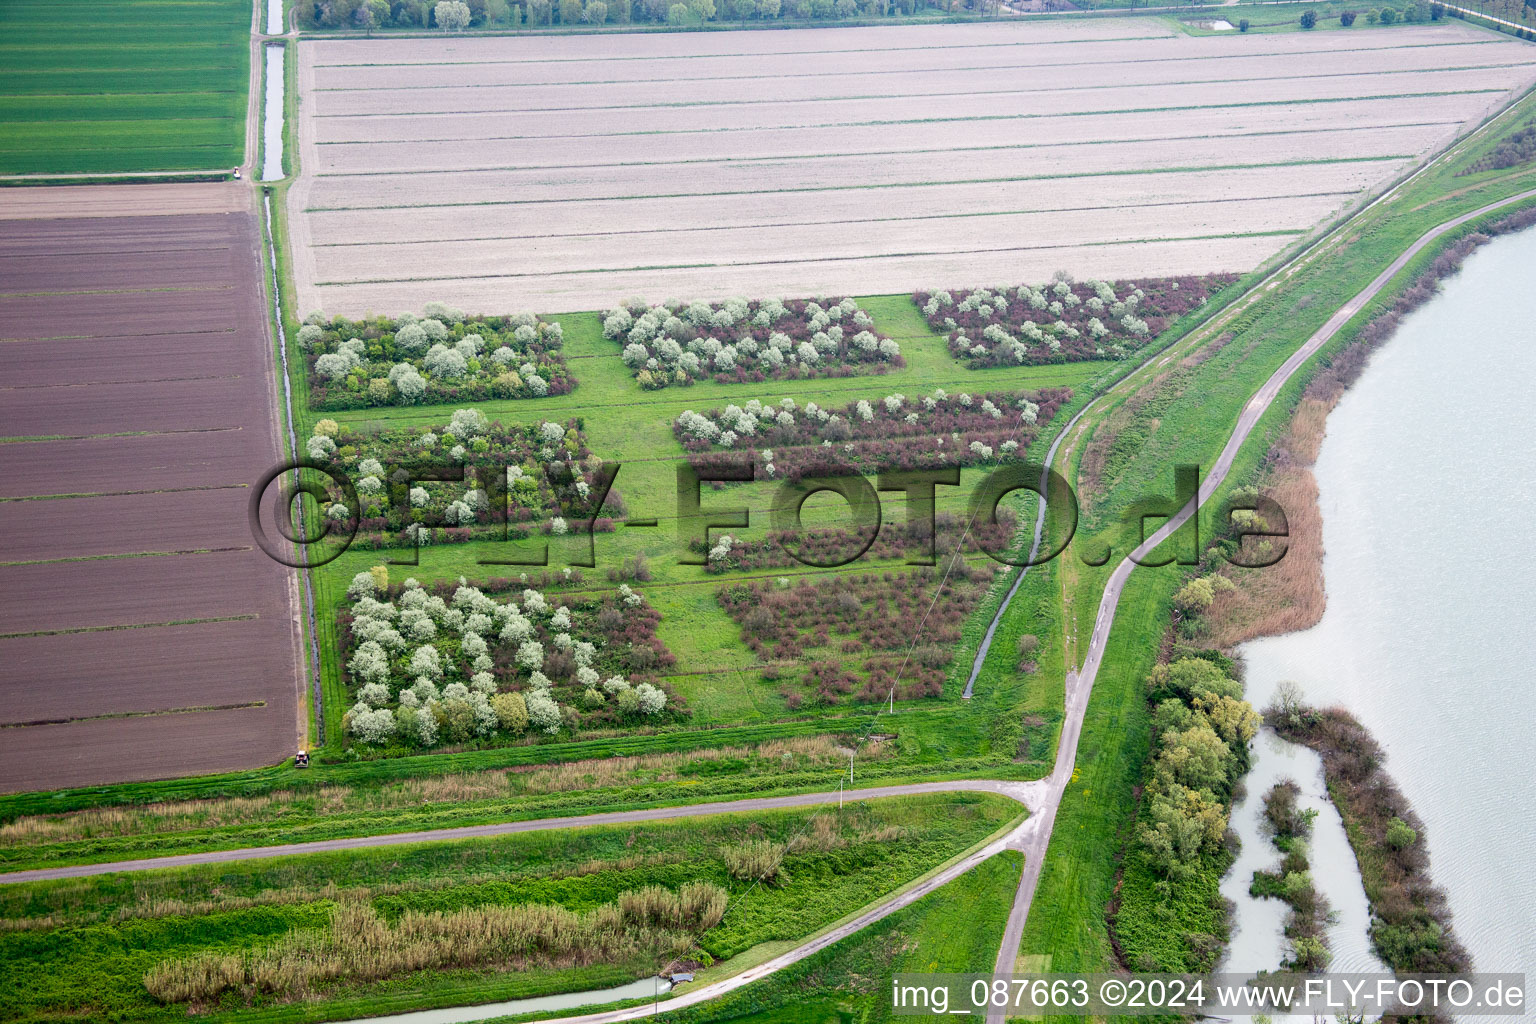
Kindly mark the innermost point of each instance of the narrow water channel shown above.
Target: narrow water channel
(1258, 940)
(274, 17)
(1427, 481)
(272, 116)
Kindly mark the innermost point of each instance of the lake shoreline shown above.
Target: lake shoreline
(1288, 598)
(1291, 595)
(1388, 839)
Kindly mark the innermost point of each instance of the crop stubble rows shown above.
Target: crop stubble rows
(505, 173)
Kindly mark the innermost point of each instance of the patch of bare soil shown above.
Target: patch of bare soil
(147, 200)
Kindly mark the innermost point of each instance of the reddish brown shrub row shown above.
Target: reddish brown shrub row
(893, 541)
(906, 624)
(1163, 300)
(940, 438)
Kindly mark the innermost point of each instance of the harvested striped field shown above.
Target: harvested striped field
(564, 174)
(142, 632)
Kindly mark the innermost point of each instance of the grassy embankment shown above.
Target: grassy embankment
(1066, 925)
(144, 86)
(78, 949)
(955, 929)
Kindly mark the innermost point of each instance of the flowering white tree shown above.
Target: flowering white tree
(442, 361)
(451, 15)
(334, 365)
(408, 381)
(370, 725)
(530, 655)
(320, 448)
(375, 695)
(543, 712)
(411, 339)
(652, 700)
(466, 424)
(427, 663)
(473, 645)
(369, 662)
(419, 725)
(417, 625)
(363, 585)
(516, 629)
(443, 311)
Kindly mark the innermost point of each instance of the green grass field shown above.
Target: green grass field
(144, 85)
(76, 950)
(955, 929)
(632, 426)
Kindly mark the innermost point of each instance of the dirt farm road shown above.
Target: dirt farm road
(1026, 793)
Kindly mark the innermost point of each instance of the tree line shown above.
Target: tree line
(457, 15)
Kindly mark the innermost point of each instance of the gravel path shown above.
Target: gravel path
(1026, 793)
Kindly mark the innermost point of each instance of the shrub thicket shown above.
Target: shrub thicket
(428, 667)
(441, 357)
(513, 479)
(1516, 148)
(1410, 919)
(1306, 925)
(936, 431)
(740, 341)
(652, 923)
(1064, 321)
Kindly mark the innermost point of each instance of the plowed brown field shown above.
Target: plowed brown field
(521, 173)
(142, 633)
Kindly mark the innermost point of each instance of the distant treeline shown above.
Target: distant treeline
(494, 14)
